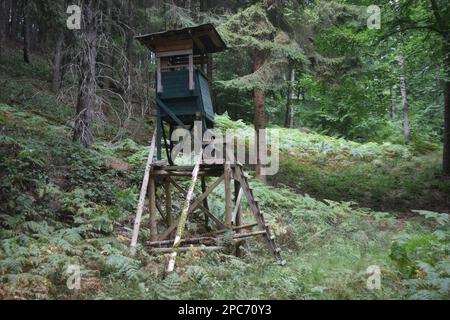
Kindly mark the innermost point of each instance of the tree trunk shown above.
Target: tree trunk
(130, 34)
(26, 32)
(289, 120)
(86, 95)
(4, 18)
(57, 62)
(14, 29)
(205, 5)
(405, 104)
(446, 157)
(108, 54)
(259, 119)
(403, 88)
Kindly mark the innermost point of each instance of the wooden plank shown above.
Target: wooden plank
(152, 209)
(237, 207)
(228, 209)
(140, 207)
(185, 249)
(168, 191)
(247, 226)
(205, 203)
(169, 112)
(206, 211)
(158, 76)
(165, 173)
(175, 46)
(208, 239)
(191, 72)
(237, 214)
(199, 200)
(184, 215)
(203, 167)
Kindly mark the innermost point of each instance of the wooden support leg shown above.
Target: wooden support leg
(238, 219)
(184, 215)
(168, 190)
(158, 135)
(144, 186)
(228, 201)
(205, 204)
(152, 209)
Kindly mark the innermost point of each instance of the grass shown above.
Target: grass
(61, 205)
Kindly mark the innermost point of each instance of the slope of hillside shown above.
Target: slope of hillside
(63, 205)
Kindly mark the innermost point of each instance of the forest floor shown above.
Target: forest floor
(337, 207)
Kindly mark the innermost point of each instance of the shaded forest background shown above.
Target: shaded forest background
(312, 64)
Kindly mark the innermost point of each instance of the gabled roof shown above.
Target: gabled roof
(206, 38)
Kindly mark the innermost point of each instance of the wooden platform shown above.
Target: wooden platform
(167, 227)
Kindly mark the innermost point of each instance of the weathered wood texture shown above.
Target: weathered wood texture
(184, 215)
(140, 207)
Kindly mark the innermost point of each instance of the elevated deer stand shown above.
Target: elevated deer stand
(183, 97)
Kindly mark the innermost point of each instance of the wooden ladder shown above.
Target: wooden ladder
(270, 239)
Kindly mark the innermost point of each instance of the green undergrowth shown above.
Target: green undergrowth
(62, 205)
(384, 176)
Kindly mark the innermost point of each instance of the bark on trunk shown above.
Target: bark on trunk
(86, 95)
(405, 104)
(3, 23)
(289, 119)
(14, 27)
(26, 33)
(130, 34)
(108, 54)
(57, 62)
(259, 119)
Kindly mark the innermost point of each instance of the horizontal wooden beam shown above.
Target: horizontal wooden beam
(202, 197)
(247, 226)
(208, 173)
(204, 239)
(186, 249)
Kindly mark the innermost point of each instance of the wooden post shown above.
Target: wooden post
(159, 87)
(167, 188)
(159, 129)
(205, 203)
(228, 201)
(237, 215)
(140, 208)
(184, 214)
(152, 209)
(191, 72)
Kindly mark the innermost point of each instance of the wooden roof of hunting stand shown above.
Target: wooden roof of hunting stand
(201, 39)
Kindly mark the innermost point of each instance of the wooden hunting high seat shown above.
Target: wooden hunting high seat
(183, 61)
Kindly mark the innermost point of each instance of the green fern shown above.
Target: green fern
(170, 287)
(125, 266)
